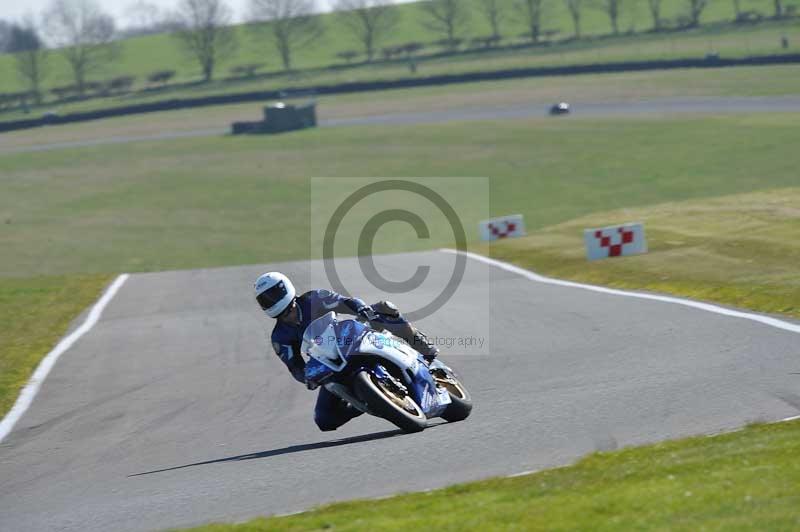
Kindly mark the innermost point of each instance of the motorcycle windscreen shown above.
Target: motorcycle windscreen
(320, 342)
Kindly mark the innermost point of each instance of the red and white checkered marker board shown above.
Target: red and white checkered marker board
(615, 241)
(505, 227)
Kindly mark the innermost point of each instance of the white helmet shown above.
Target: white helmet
(274, 292)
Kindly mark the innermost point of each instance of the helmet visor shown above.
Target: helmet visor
(272, 295)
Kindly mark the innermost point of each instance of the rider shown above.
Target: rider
(278, 298)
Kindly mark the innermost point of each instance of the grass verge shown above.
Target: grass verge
(34, 314)
(740, 250)
(746, 480)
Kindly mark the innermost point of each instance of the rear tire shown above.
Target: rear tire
(381, 403)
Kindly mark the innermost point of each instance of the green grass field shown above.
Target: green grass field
(141, 56)
(746, 480)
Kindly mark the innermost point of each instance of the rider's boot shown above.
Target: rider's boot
(421, 343)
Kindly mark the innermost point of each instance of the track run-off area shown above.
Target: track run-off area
(172, 410)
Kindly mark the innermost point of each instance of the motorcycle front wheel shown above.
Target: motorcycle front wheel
(388, 403)
(460, 406)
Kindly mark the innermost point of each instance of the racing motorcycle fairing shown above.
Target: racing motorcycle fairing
(432, 399)
(330, 344)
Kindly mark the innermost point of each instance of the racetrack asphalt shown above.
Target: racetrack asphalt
(174, 411)
(663, 106)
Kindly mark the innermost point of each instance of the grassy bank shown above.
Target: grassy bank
(34, 314)
(143, 55)
(746, 480)
(740, 250)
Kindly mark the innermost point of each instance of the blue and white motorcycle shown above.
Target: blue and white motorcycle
(379, 374)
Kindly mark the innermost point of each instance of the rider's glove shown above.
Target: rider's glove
(367, 313)
(312, 385)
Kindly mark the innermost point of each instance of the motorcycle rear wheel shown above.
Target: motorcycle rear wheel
(403, 412)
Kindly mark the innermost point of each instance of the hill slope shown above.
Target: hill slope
(143, 55)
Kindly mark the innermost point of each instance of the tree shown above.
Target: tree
(655, 12)
(292, 24)
(737, 10)
(369, 20)
(532, 10)
(493, 13)
(446, 17)
(574, 7)
(696, 8)
(205, 33)
(612, 9)
(778, 8)
(30, 56)
(5, 34)
(84, 35)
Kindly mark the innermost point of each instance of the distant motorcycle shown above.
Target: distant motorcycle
(379, 374)
(561, 108)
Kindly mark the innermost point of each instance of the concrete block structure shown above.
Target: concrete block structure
(279, 118)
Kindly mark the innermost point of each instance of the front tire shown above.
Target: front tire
(403, 412)
(460, 406)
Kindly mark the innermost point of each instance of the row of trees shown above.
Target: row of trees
(293, 22)
(450, 16)
(23, 41)
(84, 34)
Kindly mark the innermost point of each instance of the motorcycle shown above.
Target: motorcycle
(379, 374)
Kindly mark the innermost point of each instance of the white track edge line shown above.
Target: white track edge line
(30, 390)
(766, 320)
